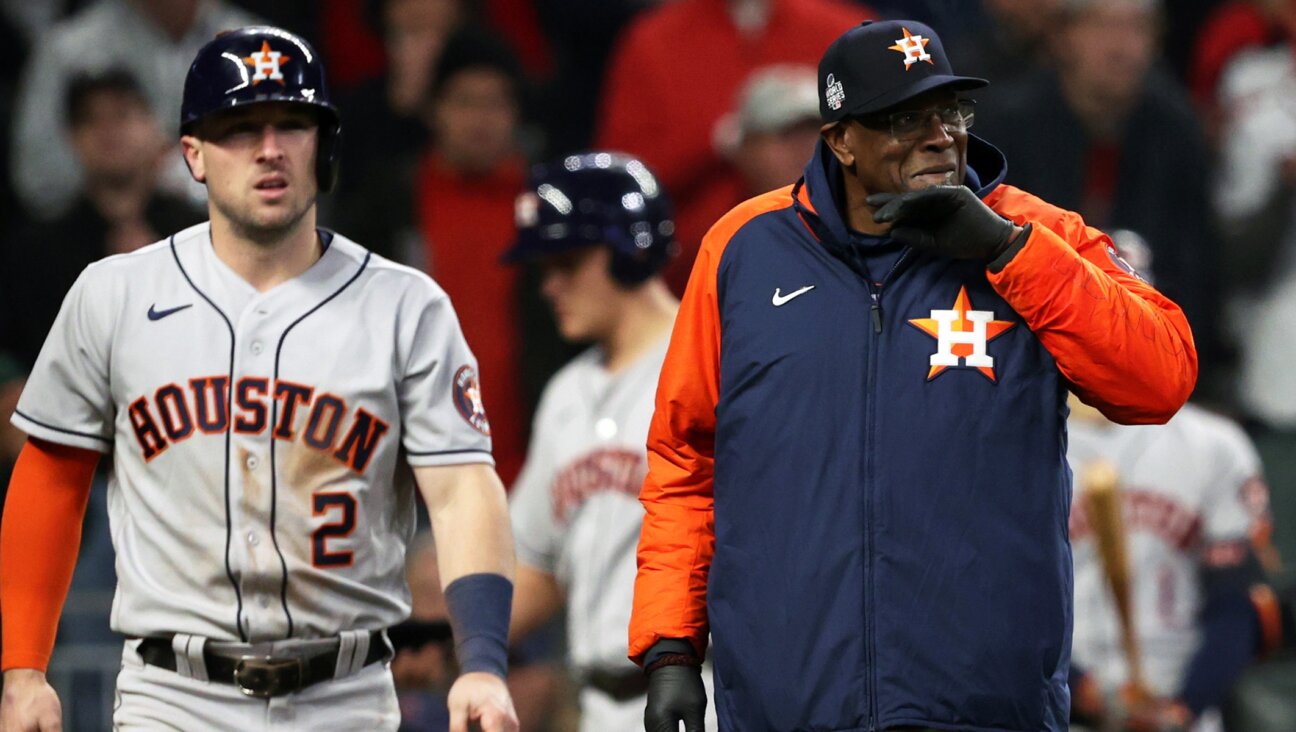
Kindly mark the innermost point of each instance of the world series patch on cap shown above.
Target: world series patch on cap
(877, 65)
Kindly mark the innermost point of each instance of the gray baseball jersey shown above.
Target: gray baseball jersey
(576, 512)
(255, 435)
(1192, 496)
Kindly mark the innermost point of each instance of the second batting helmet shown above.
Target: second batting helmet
(260, 64)
(599, 198)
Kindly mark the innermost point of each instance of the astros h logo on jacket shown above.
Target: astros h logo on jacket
(962, 333)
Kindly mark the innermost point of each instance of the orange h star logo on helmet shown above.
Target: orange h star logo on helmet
(914, 49)
(266, 63)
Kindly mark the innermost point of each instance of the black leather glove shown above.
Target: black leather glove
(675, 694)
(945, 221)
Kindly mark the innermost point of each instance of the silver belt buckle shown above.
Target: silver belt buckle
(263, 677)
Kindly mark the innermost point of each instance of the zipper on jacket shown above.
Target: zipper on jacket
(875, 291)
(870, 387)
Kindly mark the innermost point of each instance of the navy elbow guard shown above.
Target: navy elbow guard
(479, 607)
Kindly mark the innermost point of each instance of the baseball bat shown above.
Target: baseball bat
(1100, 486)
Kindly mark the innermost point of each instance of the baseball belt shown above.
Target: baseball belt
(261, 675)
(620, 685)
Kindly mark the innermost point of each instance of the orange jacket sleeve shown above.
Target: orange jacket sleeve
(1125, 348)
(678, 536)
(39, 539)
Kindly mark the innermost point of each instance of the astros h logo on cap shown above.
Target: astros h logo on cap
(913, 47)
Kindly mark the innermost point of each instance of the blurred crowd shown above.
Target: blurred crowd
(1174, 122)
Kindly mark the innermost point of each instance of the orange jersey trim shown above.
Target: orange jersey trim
(678, 536)
(1125, 348)
(39, 540)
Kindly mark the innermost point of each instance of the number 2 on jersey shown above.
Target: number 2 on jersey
(326, 503)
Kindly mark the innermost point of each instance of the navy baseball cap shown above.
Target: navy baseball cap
(877, 65)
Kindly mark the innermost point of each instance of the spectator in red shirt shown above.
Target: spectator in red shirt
(464, 193)
(677, 70)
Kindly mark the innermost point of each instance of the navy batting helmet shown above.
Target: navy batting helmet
(599, 198)
(261, 64)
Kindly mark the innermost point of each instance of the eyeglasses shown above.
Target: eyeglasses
(911, 124)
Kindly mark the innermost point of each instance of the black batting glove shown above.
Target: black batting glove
(675, 694)
(944, 221)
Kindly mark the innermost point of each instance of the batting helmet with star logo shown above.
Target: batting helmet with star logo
(260, 64)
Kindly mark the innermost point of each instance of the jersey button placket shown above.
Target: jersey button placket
(255, 360)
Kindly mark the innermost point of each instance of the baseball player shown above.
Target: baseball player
(257, 382)
(1196, 513)
(600, 227)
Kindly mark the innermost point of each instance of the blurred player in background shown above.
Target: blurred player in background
(599, 226)
(1196, 514)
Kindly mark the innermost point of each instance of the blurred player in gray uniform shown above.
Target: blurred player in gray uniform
(1195, 508)
(258, 383)
(600, 228)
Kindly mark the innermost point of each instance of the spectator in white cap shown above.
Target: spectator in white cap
(774, 129)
